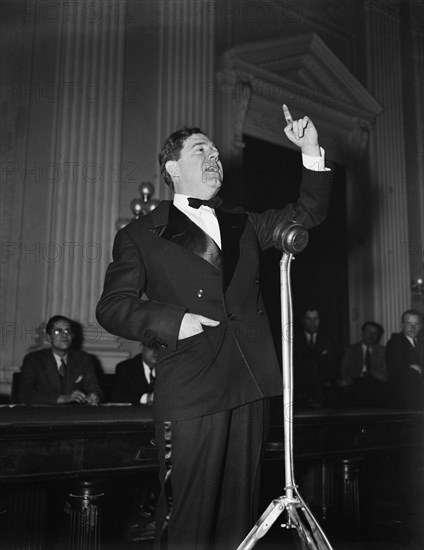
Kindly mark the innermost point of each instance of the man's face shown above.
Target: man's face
(60, 336)
(198, 172)
(150, 355)
(411, 325)
(310, 321)
(370, 335)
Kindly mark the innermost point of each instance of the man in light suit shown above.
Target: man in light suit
(58, 375)
(363, 371)
(405, 364)
(198, 264)
(135, 377)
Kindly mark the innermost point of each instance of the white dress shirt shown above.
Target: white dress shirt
(148, 372)
(411, 341)
(204, 217)
(58, 359)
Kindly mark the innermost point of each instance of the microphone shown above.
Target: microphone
(290, 237)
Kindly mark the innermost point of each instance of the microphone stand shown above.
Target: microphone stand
(291, 238)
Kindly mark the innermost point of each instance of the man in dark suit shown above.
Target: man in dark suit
(404, 359)
(134, 383)
(135, 377)
(198, 265)
(315, 362)
(58, 375)
(363, 371)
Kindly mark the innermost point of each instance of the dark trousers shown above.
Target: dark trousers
(210, 475)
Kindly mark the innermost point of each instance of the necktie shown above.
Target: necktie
(214, 202)
(62, 368)
(367, 362)
(152, 377)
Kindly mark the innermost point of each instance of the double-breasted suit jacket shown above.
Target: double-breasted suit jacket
(180, 269)
(40, 382)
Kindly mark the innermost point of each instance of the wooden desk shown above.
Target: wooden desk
(85, 445)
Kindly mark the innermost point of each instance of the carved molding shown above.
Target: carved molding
(303, 72)
(389, 8)
(358, 140)
(236, 88)
(317, 83)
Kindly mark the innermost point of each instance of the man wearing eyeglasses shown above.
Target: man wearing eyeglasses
(59, 374)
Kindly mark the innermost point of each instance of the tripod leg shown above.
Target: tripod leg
(264, 523)
(307, 542)
(317, 533)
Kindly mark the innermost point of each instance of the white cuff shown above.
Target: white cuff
(315, 163)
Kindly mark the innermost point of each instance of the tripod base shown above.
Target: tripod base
(299, 517)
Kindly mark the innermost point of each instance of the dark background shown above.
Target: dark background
(319, 275)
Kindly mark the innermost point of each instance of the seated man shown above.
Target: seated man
(134, 378)
(134, 383)
(315, 367)
(404, 359)
(363, 376)
(58, 374)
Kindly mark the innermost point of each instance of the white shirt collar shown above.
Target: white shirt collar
(411, 340)
(58, 358)
(148, 372)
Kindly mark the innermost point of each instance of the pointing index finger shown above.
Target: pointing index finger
(287, 114)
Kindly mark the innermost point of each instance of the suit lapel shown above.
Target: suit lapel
(182, 231)
(53, 373)
(171, 224)
(231, 227)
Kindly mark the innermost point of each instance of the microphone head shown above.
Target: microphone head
(291, 237)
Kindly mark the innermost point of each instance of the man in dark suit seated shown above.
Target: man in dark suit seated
(134, 383)
(59, 374)
(363, 371)
(315, 366)
(404, 359)
(135, 377)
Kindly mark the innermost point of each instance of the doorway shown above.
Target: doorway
(319, 275)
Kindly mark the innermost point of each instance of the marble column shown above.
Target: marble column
(85, 163)
(390, 269)
(413, 67)
(186, 73)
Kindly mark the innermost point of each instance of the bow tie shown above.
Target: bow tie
(214, 202)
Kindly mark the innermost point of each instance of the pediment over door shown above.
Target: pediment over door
(300, 70)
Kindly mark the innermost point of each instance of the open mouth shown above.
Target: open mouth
(211, 168)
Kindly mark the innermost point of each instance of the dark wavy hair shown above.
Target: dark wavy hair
(171, 150)
(53, 320)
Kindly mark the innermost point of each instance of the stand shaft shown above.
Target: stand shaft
(299, 516)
